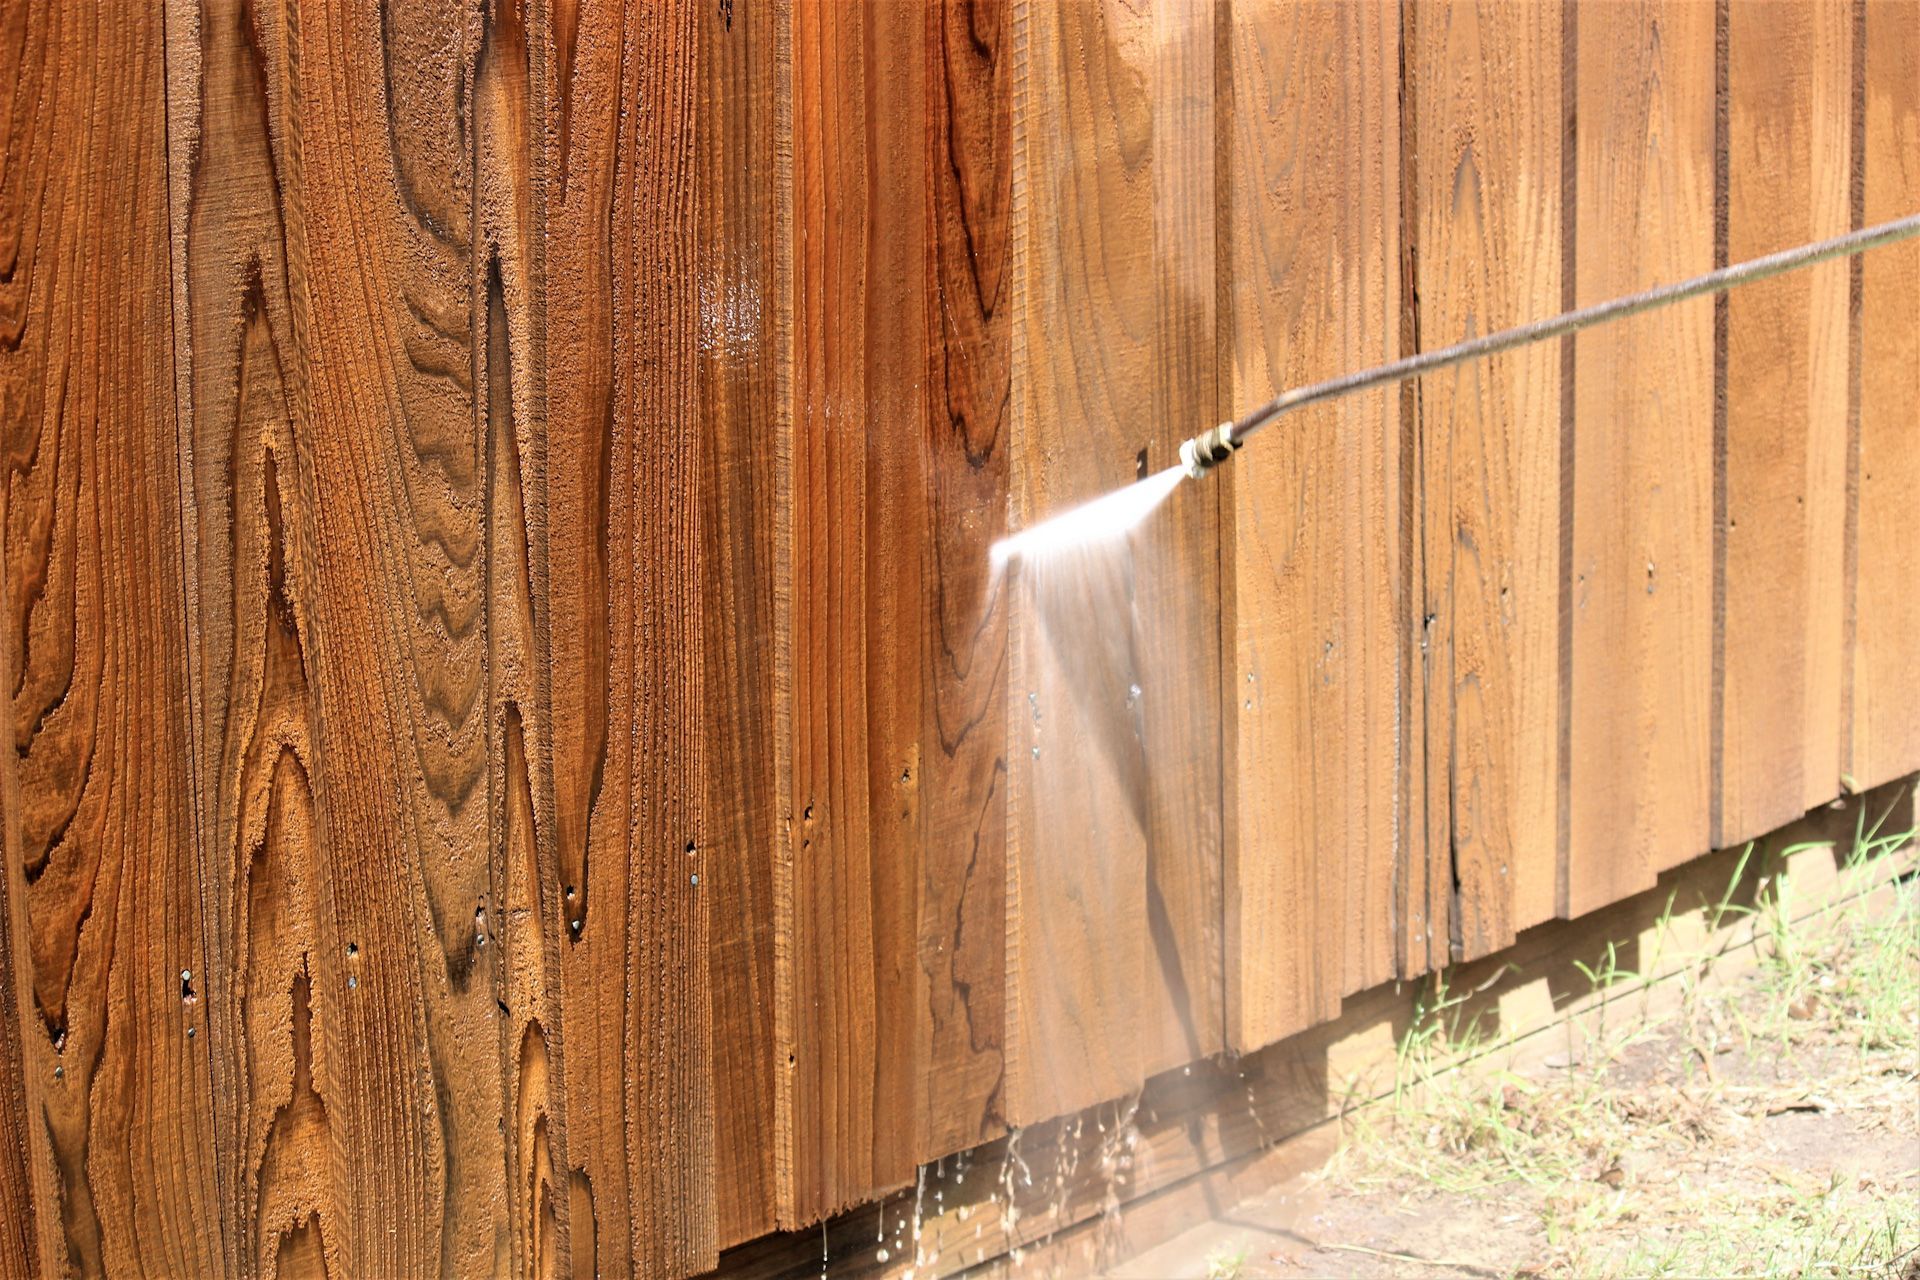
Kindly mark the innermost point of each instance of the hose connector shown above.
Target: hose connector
(1208, 450)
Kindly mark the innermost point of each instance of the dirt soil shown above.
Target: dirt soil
(1769, 1127)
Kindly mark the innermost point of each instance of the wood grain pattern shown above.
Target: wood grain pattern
(22, 1163)
(1642, 487)
(103, 876)
(1884, 737)
(744, 95)
(272, 1013)
(623, 505)
(508, 281)
(962, 778)
(1789, 70)
(1486, 80)
(1310, 568)
(847, 897)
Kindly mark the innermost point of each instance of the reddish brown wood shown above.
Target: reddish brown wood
(109, 977)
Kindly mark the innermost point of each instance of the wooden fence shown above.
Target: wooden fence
(520, 759)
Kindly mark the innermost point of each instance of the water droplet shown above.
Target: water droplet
(881, 1255)
(353, 980)
(694, 878)
(1036, 753)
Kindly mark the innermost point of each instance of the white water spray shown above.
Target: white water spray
(1105, 518)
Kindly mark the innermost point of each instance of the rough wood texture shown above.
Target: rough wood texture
(623, 534)
(1643, 451)
(104, 878)
(1486, 80)
(1311, 521)
(1788, 78)
(846, 895)
(744, 225)
(1885, 644)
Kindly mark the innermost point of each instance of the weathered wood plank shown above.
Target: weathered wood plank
(847, 897)
(1486, 79)
(1311, 523)
(1643, 451)
(623, 505)
(1829, 373)
(1788, 73)
(1884, 736)
(962, 778)
(103, 877)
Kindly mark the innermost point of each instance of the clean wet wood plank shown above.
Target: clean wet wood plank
(745, 355)
(962, 774)
(111, 1084)
(847, 884)
(1486, 83)
(619, 210)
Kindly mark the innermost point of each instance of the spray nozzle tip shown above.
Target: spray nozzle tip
(1208, 450)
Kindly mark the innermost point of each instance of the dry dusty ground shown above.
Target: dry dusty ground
(1767, 1126)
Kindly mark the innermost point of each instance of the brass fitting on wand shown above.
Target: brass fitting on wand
(1208, 450)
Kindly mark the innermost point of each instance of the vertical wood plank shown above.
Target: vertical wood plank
(1076, 857)
(1486, 77)
(1309, 571)
(103, 877)
(1788, 75)
(510, 156)
(624, 540)
(1643, 452)
(963, 769)
(1884, 738)
(348, 786)
(1829, 373)
(743, 357)
(1178, 594)
(847, 900)
(273, 1006)
(20, 1163)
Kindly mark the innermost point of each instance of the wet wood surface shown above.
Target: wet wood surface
(522, 760)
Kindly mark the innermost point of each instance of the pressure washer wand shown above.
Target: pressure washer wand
(1212, 447)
